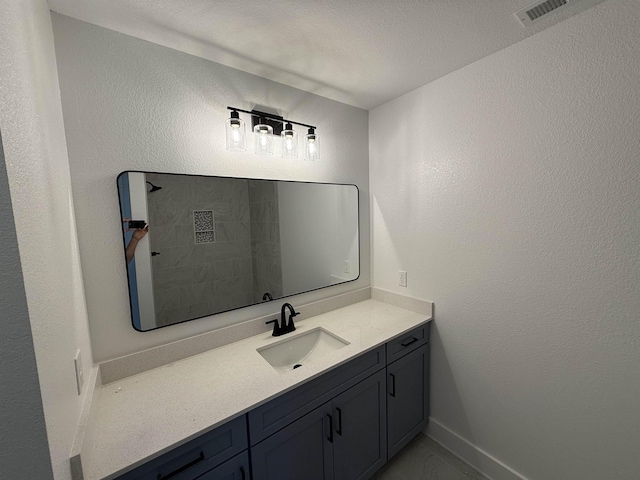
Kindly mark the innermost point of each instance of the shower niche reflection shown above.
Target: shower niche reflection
(215, 244)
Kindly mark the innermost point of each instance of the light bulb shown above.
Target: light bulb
(289, 141)
(235, 133)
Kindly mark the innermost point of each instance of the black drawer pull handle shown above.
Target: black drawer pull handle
(339, 429)
(330, 428)
(393, 385)
(413, 340)
(182, 468)
(244, 476)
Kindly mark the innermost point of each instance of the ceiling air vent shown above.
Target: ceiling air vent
(542, 8)
(539, 9)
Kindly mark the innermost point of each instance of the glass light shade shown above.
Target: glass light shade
(235, 133)
(289, 142)
(264, 139)
(311, 146)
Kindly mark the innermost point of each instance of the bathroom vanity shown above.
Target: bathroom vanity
(229, 414)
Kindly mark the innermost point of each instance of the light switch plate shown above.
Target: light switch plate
(347, 266)
(402, 281)
(79, 372)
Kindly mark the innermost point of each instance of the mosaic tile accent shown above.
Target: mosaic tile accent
(203, 226)
(203, 220)
(205, 237)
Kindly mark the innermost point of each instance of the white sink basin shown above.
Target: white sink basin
(301, 349)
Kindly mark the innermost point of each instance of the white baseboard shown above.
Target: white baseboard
(470, 453)
(81, 454)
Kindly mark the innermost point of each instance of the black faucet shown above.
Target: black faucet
(284, 326)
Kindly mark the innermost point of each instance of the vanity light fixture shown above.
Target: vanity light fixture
(265, 126)
(235, 132)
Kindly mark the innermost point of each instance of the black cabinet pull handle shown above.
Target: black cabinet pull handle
(413, 340)
(393, 385)
(330, 428)
(182, 468)
(339, 429)
(244, 476)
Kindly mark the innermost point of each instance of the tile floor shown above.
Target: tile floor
(424, 459)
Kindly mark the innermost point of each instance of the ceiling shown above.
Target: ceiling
(360, 52)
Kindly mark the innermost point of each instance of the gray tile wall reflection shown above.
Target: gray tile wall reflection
(192, 280)
(265, 239)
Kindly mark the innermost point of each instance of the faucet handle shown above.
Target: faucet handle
(277, 331)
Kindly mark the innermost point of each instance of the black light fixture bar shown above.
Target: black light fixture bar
(270, 115)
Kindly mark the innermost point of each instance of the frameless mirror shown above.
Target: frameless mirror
(197, 246)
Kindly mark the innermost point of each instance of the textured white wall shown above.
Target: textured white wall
(24, 433)
(509, 192)
(130, 104)
(40, 186)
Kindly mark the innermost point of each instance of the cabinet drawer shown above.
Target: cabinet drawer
(236, 468)
(280, 412)
(407, 343)
(196, 457)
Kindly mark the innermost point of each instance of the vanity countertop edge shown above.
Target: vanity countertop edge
(139, 418)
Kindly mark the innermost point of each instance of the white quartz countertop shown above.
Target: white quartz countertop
(140, 417)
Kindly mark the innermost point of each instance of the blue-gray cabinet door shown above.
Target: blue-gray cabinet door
(236, 468)
(302, 450)
(407, 398)
(360, 429)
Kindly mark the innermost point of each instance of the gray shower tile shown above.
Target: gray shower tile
(222, 212)
(172, 277)
(199, 309)
(161, 237)
(275, 273)
(273, 235)
(224, 232)
(205, 272)
(240, 212)
(223, 269)
(185, 295)
(179, 257)
(229, 250)
(184, 235)
(242, 266)
(271, 212)
(177, 314)
(242, 231)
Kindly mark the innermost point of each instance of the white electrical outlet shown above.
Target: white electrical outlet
(403, 278)
(347, 267)
(79, 372)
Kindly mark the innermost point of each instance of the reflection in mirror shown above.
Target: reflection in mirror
(196, 246)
